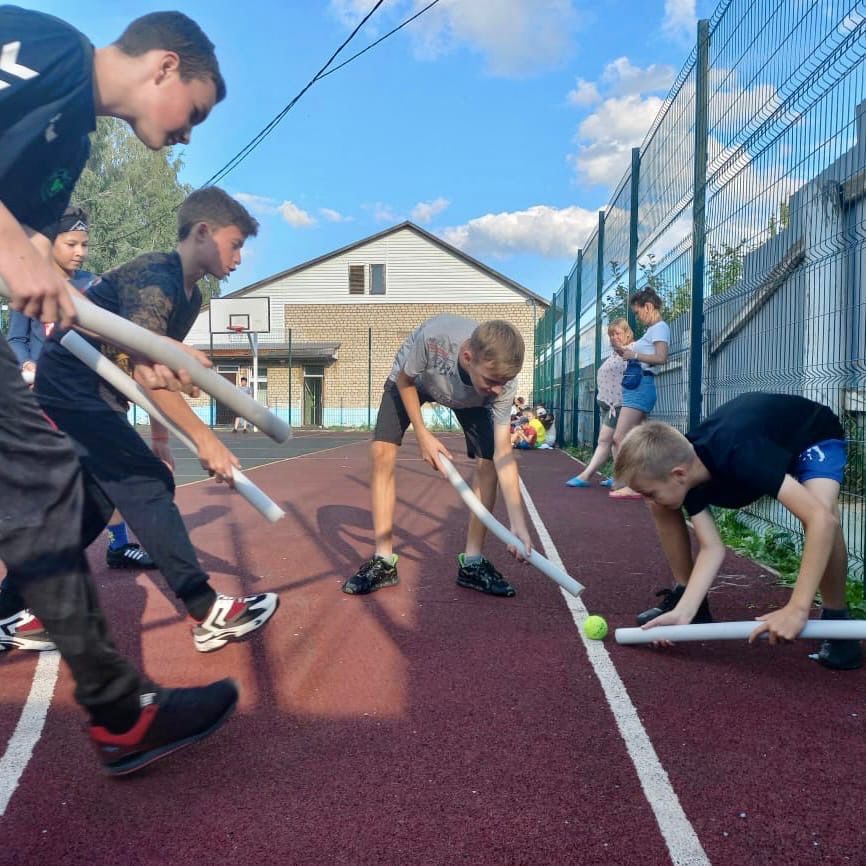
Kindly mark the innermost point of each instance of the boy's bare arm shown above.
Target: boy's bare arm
(509, 482)
(820, 525)
(674, 537)
(36, 288)
(430, 446)
(214, 456)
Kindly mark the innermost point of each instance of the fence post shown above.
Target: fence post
(599, 290)
(699, 227)
(561, 406)
(212, 401)
(369, 378)
(575, 385)
(634, 204)
(290, 377)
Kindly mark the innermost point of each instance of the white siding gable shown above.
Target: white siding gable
(416, 271)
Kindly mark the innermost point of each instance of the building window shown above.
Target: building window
(356, 279)
(377, 279)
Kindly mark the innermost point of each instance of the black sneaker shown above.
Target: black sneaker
(170, 719)
(483, 577)
(669, 600)
(839, 655)
(374, 574)
(129, 556)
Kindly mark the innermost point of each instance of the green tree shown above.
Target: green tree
(725, 266)
(131, 195)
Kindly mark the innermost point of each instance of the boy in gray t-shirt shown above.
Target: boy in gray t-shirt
(469, 368)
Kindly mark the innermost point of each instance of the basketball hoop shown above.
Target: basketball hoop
(238, 329)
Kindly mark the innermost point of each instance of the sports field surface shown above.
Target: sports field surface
(429, 724)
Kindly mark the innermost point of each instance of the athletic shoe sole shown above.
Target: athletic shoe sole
(235, 634)
(139, 762)
(468, 585)
(382, 584)
(24, 643)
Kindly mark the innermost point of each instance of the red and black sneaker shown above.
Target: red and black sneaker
(231, 619)
(170, 719)
(25, 631)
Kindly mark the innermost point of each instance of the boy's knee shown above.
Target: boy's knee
(383, 455)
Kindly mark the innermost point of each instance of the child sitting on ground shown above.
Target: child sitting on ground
(778, 445)
(530, 434)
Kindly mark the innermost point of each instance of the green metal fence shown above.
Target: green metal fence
(744, 208)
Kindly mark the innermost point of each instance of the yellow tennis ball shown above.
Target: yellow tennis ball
(595, 627)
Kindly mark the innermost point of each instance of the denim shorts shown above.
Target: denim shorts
(825, 459)
(642, 398)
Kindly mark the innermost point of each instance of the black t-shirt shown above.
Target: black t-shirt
(46, 113)
(148, 291)
(751, 443)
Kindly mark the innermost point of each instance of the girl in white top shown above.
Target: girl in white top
(609, 386)
(651, 350)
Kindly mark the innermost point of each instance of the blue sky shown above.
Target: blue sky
(499, 125)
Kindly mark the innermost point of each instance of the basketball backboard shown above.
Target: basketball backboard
(250, 315)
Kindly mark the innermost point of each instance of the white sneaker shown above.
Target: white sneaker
(24, 631)
(231, 619)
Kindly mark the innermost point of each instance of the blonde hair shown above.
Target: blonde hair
(651, 451)
(499, 343)
(621, 325)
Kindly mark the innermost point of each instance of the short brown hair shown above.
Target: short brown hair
(622, 325)
(498, 342)
(645, 296)
(651, 451)
(218, 209)
(173, 31)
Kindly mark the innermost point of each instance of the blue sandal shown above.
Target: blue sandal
(577, 481)
(608, 482)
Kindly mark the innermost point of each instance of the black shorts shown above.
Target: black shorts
(392, 423)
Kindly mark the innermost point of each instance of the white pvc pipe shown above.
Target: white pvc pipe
(140, 341)
(130, 389)
(545, 566)
(819, 629)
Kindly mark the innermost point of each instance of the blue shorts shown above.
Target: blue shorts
(642, 398)
(824, 459)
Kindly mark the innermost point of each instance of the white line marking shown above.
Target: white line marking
(679, 835)
(29, 727)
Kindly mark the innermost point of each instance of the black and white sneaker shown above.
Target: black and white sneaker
(129, 556)
(374, 574)
(170, 719)
(24, 631)
(669, 600)
(232, 619)
(484, 577)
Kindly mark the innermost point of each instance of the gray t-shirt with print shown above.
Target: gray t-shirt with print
(429, 357)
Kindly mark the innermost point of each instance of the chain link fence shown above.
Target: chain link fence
(744, 209)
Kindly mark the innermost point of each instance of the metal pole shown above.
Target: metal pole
(599, 290)
(212, 401)
(290, 377)
(561, 407)
(699, 234)
(575, 385)
(369, 378)
(634, 204)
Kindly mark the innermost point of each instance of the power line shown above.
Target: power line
(245, 151)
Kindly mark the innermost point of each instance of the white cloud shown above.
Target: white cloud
(381, 212)
(296, 216)
(259, 204)
(584, 94)
(424, 211)
(542, 230)
(680, 21)
(625, 79)
(515, 37)
(606, 137)
(333, 216)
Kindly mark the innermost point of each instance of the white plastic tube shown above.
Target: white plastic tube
(140, 341)
(819, 629)
(130, 389)
(545, 566)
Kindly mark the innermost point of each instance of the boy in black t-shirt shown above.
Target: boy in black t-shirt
(158, 291)
(162, 77)
(778, 445)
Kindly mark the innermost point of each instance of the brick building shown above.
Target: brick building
(337, 321)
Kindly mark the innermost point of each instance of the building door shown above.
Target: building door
(224, 416)
(313, 377)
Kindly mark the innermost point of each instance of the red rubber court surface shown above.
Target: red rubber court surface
(429, 724)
